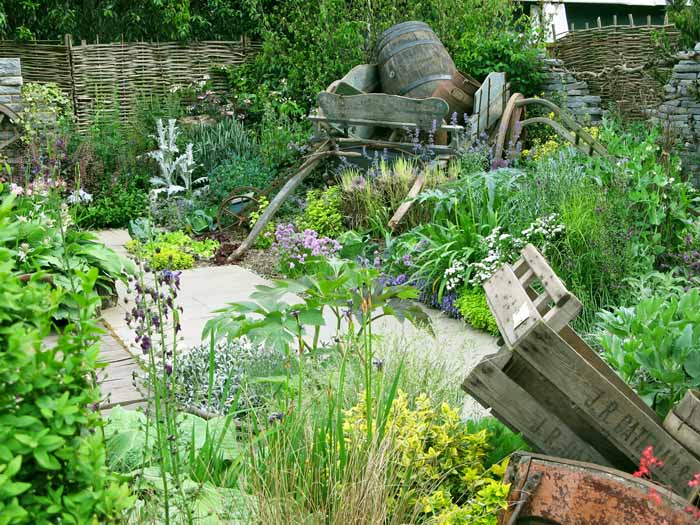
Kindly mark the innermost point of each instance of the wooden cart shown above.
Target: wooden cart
(356, 122)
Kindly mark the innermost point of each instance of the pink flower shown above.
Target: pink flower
(16, 190)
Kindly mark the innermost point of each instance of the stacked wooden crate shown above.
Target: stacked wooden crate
(549, 385)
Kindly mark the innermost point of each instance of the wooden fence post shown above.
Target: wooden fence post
(68, 43)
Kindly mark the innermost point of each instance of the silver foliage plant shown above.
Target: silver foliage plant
(176, 170)
(236, 364)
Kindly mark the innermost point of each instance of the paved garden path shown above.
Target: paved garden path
(204, 290)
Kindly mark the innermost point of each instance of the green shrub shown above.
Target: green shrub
(52, 456)
(502, 440)
(472, 304)
(228, 139)
(235, 172)
(173, 250)
(440, 462)
(655, 345)
(506, 50)
(685, 15)
(322, 212)
(43, 107)
(114, 206)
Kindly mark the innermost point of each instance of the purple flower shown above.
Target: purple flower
(275, 417)
(168, 368)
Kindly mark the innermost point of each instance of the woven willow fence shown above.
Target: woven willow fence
(624, 64)
(111, 77)
(43, 61)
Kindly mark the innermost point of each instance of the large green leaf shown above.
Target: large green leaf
(125, 436)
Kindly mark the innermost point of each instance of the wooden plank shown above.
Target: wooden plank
(522, 412)
(612, 414)
(489, 101)
(408, 201)
(307, 167)
(513, 310)
(544, 273)
(594, 359)
(341, 87)
(531, 267)
(557, 403)
(683, 432)
(374, 108)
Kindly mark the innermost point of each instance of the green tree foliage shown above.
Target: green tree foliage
(686, 16)
(112, 21)
(307, 45)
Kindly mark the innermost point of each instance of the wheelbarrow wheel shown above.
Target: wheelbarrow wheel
(235, 209)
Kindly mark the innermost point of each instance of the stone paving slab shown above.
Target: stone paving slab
(204, 290)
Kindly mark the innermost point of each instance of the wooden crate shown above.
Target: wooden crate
(551, 386)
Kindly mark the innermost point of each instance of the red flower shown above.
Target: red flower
(647, 462)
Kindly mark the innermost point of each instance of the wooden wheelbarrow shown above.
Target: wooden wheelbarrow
(348, 121)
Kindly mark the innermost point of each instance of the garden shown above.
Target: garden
(328, 394)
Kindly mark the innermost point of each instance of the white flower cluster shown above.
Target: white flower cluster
(78, 196)
(454, 275)
(503, 248)
(548, 228)
(500, 247)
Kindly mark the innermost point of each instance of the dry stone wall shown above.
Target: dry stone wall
(11, 83)
(680, 110)
(561, 87)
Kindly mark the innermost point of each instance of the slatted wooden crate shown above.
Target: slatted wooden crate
(550, 385)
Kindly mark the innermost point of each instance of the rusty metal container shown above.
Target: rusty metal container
(551, 490)
(683, 421)
(458, 92)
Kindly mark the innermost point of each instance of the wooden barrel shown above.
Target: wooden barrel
(458, 92)
(412, 61)
(683, 421)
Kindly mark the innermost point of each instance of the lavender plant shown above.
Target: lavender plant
(300, 252)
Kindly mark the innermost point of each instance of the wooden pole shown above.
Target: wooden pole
(306, 168)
